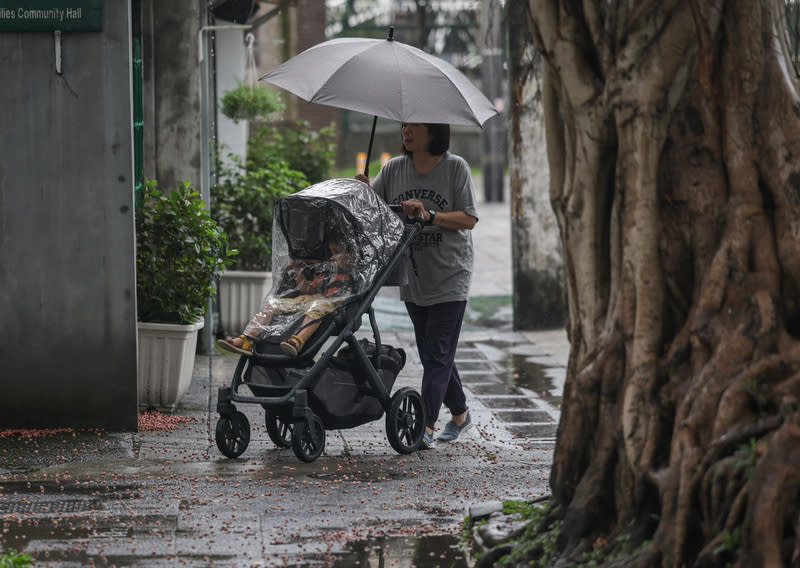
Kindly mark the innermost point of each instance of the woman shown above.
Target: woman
(430, 183)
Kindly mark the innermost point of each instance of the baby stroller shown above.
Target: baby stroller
(335, 381)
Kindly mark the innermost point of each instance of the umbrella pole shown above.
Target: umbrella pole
(369, 150)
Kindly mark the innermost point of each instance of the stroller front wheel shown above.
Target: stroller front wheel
(405, 421)
(233, 434)
(308, 438)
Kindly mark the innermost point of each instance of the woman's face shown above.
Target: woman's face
(416, 137)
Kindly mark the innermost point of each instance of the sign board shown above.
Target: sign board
(51, 15)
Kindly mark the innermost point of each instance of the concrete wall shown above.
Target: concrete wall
(67, 284)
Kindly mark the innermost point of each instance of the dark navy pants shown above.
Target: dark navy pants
(437, 329)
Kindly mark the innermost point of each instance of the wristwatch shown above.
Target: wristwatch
(432, 214)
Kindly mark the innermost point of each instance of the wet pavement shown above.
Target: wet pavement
(168, 497)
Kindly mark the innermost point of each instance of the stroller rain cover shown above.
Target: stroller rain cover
(330, 241)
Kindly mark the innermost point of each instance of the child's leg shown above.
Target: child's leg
(252, 331)
(314, 314)
(308, 328)
(294, 345)
(259, 321)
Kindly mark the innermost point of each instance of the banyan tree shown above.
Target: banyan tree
(673, 141)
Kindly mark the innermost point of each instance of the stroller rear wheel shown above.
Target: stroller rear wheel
(308, 438)
(233, 434)
(279, 429)
(405, 421)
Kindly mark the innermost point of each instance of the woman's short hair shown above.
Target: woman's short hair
(440, 139)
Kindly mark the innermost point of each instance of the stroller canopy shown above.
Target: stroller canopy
(338, 214)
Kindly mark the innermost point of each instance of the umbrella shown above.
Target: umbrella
(384, 78)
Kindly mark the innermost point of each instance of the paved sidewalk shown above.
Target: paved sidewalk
(169, 498)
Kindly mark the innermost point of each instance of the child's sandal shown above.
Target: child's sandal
(293, 345)
(246, 348)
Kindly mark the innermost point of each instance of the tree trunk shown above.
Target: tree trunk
(540, 297)
(493, 135)
(673, 132)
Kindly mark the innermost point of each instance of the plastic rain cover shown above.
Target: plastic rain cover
(329, 243)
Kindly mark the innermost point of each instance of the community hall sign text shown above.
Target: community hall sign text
(51, 15)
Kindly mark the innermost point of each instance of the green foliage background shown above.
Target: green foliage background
(243, 204)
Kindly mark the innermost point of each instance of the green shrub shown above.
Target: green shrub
(14, 560)
(180, 252)
(307, 151)
(243, 203)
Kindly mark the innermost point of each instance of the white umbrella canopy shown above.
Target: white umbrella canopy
(384, 78)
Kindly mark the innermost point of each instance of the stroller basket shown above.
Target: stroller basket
(343, 397)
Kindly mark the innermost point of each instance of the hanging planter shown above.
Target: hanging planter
(249, 102)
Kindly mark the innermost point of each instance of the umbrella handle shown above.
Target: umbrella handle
(369, 150)
(375, 118)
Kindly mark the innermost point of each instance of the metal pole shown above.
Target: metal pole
(205, 108)
(205, 151)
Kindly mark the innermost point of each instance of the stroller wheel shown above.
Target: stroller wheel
(279, 429)
(233, 434)
(308, 438)
(405, 421)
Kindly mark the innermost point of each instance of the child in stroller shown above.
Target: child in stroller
(313, 287)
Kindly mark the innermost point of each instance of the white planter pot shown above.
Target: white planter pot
(166, 361)
(241, 294)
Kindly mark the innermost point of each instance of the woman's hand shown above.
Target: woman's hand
(413, 208)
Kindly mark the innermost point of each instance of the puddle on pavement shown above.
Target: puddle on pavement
(366, 476)
(534, 377)
(524, 415)
(83, 546)
(519, 370)
(79, 542)
(526, 394)
(439, 551)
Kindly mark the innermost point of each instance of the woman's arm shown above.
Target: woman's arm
(453, 220)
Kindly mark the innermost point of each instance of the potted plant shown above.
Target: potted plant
(180, 251)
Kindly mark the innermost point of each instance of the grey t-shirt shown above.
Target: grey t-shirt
(440, 260)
